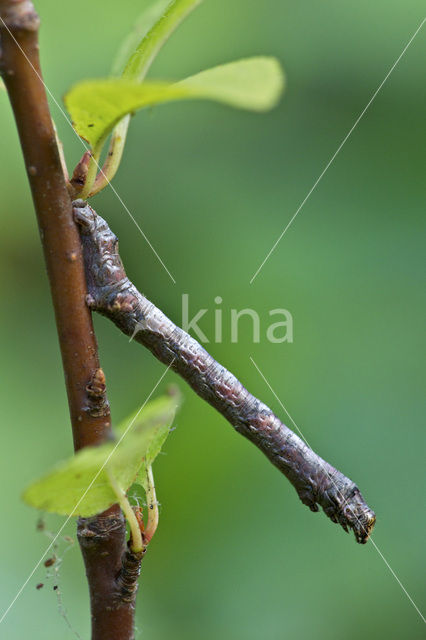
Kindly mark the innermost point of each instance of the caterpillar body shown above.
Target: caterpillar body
(111, 293)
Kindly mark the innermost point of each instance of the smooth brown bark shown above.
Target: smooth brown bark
(61, 244)
(84, 379)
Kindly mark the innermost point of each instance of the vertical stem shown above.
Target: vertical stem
(113, 159)
(136, 543)
(21, 72)
(152, 505)
(112, 615)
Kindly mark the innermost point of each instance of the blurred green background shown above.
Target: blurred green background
(237, 555)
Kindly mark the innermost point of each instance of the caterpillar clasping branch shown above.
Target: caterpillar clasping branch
(111, 293)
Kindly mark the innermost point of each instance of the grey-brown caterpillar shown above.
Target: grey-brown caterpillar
(112, 294)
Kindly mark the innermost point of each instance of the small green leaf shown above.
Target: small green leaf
(156, 444)
(147, 19)
(81, 485)
(157, 415)
(160, 411)
(96, 106)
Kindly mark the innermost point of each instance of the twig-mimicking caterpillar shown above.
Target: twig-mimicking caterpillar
(112, 294)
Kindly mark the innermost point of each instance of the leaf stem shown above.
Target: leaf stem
(61, 152)
(136, 542)
(152, 504)
(114, 155)
(91, 172)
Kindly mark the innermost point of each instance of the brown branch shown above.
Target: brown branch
(61, 244)
(84, 379)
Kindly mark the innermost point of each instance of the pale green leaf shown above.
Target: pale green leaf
(157, 415)
(158, 412)
(81, 485)
(156, 444)
(96, 106)
(255, 84)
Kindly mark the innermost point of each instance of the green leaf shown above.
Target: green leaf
(157, 415)
(168, 20)
(156, 444)
(255, 84)
(147, 19)
(96, 106)
(81, 486)
(160, 411)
